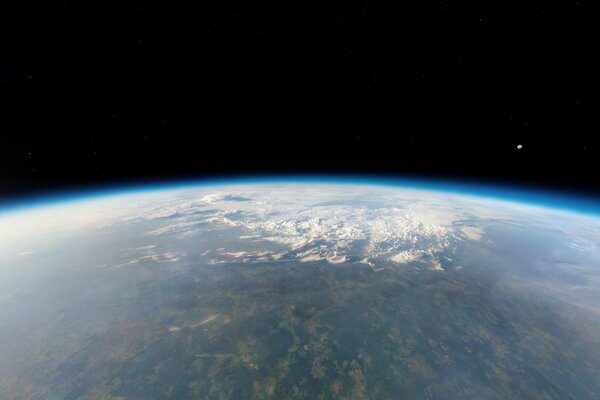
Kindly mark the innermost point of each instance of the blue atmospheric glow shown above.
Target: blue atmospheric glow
(530, 196)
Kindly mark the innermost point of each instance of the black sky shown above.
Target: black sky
(103, 92)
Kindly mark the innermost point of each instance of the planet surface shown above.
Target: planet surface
(298, 290)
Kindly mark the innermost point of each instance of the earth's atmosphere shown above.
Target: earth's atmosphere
(298, 291)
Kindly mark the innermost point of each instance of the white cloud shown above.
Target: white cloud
(252, 256)
(405, 257)
(322, 223)
(149, 255)
(472, 232)
(336, 223)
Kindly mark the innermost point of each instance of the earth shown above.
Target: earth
(314, 290)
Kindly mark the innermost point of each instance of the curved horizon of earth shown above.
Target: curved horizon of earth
(298, 290)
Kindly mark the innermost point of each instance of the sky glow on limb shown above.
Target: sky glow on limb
(536, 197)
(85, 210)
